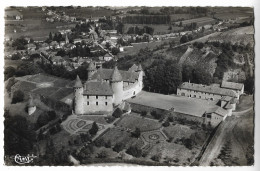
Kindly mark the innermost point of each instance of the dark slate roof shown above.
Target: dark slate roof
(78, 82)
(133, 68)
(97, 88)
(232, 85)
(106, 74)
(116, 76)
(207, 89)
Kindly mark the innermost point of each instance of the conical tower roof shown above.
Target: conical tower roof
(91, 66)
(139, 67)
(78, 82)
(116, 76)
(31, 103)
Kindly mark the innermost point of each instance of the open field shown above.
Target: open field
(158, 28)
(200, 21)
(131, 122)
(12, 63)
(178, 131)
(245, 102)
(35, 28)
(243, 35)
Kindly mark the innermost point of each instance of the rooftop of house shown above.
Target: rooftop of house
(180, 104)
(97, 88)
(232, 85)
(106, 74)
(218, 110)
(207, 89)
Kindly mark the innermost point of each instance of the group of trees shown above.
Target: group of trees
(140, 31)
(163, 76)
(186, 38)
(196, 74)
(45, 118)
(57, 37)
(18, 136)
(20, 43)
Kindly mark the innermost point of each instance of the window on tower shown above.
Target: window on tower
(96, 97)
(97, 103)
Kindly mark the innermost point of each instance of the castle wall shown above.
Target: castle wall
(133, 88)
(178, 115)
(97, 104)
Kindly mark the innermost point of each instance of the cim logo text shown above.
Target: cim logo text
(24, 159)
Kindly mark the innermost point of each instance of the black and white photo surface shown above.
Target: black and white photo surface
(130, 85)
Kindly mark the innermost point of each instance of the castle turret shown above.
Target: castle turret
(31, 105)
(117, 86)
(139, 68)
(78, 96)
(91, 70)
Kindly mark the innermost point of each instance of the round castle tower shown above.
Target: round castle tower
(31, 106)
(117, 86)
(78, 96)
(91, 70)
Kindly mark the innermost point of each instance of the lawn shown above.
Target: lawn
(61, 93)
(116, 135)
(61, 82)
(97, 119)
(13, 63)
(25, 86)
(178, 131)
(245, 102)
(40, 78)
(144, 124)
(46, 91)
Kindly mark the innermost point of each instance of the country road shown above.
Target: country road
(229, 131)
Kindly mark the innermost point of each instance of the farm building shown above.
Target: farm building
(237, 87)
(179, 107)
(204, 92)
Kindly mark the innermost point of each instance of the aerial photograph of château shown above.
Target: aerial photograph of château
(131, 85)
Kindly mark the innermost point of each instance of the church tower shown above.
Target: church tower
(91, 70)
(117, 86)
(78, 97)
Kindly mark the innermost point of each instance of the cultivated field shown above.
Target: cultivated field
(158, 28)
(200, 21)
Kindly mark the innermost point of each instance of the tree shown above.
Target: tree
(184, 39)
(108, 144)
(115, 51)
(156, 157)
(42, 120)
(249, 85)
(94, 129)
(18, 96)
(143, 113)
(51, 115)
(102, 154)
(50, 36)
(9, 72)
(136, 133)
(117, 113)
(118, 147)
(134, 151)
(166, 124)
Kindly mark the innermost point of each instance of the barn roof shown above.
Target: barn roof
(232, 85)
(207, 89)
